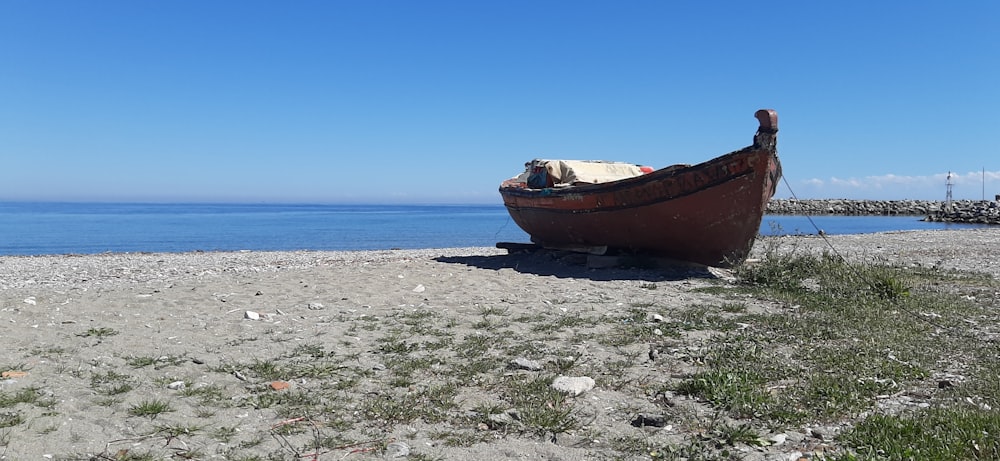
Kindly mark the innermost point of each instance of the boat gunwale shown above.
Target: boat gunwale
(626, 182)
(653, 201)
(612, 187)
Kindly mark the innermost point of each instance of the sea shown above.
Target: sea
(43, 228)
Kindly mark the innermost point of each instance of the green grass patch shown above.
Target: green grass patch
(150, 408)
(937, 434)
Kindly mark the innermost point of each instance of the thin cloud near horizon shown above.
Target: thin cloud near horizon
(973, 185)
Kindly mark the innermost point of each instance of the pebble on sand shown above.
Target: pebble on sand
(574, 385)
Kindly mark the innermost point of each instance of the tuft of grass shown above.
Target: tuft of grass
(541, 409)
(176, 430)
(477, 345)
(224, 434)
(140, 362)
(387, 410)
(613, 373)
(155, 362)
(28, 395)
(493, 310)
(150, 408)
(267, 370)
(393, 344)
(101, 332)
(111, 383)
(431, 404)
(10, 419)
(211, 394)
(286, 403)
(733, 308)
(471, 370)
(128, 455)
(49, 352)
(635, 327)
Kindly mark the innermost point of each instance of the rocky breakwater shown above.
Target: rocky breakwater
(968, 211)
(958, 211)
(854, 207)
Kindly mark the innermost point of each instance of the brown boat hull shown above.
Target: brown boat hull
(708, 213)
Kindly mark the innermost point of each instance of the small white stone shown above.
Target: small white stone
(251, 315)
(176, 385)
(526, 364)
(574, 385)
(30, 300)
(419, 289)
(397, 450)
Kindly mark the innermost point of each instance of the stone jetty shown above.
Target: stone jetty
(969, 211)
(958, 211)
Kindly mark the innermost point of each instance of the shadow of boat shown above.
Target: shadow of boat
(563, 264)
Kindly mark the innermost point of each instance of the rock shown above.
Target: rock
(14, 374)
(522, 363)
(280, 385)
(419, 289)
(650, 421)
(506, 418)
(176, 385)
(574, 385)
(30, 300)
(778, 439)
(251, 315)
(793, 456)
(397, 450)
(823, 433)
(656, 318)
(314, 306)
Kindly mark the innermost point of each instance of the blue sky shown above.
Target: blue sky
(437, 102)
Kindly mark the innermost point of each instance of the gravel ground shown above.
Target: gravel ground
(967, 250)
(72, 323)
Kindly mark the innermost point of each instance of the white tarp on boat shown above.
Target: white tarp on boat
(568, 172)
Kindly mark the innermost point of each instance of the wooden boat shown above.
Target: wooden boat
(709, 213)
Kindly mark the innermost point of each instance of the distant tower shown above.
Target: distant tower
(947, 198)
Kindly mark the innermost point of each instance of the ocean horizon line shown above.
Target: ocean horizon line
(241, 202)
(498, 201)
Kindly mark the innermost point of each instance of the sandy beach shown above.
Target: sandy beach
(321, 355)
